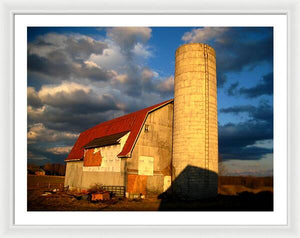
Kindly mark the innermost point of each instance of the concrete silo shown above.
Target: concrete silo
(195, 129)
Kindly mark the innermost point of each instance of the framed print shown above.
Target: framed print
(136, 118)
(75, 76)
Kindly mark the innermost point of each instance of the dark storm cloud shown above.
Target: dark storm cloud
(243, 153)
(65, 57)
(39, 133)
(56, 57)
(40, 155)
(33, 98)
(93, 73)
(82, 48)
(263, 112)
(166, 87)
(56, 66)
(80, 102)
(75, 122)
(221, 79)
(236, 48)
(264, 87)
(134, 85)
(244, 133)
(63, 103)
(62, 119)
(74, 113)
(142, 80)
(138, 81)
(232, 90)
(128, 37)
(235, 54)
(238, 109)
(236, 140)
(78, 47)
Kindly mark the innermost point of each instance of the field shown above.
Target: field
(34, 181)
(243, 194)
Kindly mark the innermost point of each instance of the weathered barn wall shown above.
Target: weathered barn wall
(94, 175)
(111, 168)
(73, 175)
(100, 166)
(195, 134)
(155, 142)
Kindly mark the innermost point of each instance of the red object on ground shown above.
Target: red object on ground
(100, 196)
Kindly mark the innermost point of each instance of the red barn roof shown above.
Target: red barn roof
(132, 122)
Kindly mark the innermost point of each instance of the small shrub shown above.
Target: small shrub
(96, 188)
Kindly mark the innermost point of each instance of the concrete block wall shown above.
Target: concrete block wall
(195, 130)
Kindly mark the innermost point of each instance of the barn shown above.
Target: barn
(132, 151)
(40, 172)
(171, 146)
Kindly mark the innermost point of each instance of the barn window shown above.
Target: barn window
(146, 165)
(146, 128)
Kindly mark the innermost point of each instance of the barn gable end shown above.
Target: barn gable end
(152, 151)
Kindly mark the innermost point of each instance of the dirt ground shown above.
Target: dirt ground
(230, 198)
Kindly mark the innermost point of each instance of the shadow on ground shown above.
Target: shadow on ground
(196, 189)
(245, 201)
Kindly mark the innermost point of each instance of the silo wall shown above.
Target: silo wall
(195, 128)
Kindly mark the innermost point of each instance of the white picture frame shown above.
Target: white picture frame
(11, 8)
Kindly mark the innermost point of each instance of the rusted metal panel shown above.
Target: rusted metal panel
(92, 157)
(110, 162)
(137, 184)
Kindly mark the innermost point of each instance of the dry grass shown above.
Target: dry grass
(236, 189)
(230, 198)
(35, 182)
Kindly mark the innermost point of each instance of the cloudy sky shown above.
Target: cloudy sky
(80, 77)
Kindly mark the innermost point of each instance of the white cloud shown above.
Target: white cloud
(39, 133)
(48, 43)
(65, 87)
(127, 37)
(167, 85)
(148, 74)
(91, 64)
(72, 97)
(267, 144)
(111, 59)
(59, 150)
(35, 113)
(141, 50)
(76, 46)
(262, 167)
(66, 56)
(121, 78)
(204, 34)
(88, 82)
(33, 98)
